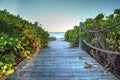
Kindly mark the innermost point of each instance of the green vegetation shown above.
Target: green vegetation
(111, 37)
(18, 39)
(52, 38)
(107, 40)
(72, 36)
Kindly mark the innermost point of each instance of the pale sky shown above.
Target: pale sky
(59, 15)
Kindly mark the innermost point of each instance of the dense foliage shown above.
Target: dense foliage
(111, 37)
(18, 39)
(107, 40)
(72, 36)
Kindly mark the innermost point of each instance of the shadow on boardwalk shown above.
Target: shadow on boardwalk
(59, 62)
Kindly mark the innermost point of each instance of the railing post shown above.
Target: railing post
(36, 24)
(80, 42)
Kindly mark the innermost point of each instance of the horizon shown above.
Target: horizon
(56, 32)
(59, 15)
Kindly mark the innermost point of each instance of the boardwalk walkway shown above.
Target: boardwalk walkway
(59, 62)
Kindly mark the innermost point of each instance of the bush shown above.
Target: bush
(72, 36)
(18, 39)
(107, 40)
(52, 38)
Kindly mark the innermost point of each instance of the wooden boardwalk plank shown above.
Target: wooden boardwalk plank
(64, 64)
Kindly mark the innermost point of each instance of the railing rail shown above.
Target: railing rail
(93, 31)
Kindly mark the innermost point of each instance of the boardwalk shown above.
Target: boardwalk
(59, 62)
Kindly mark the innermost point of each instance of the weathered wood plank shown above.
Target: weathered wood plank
(64, 64)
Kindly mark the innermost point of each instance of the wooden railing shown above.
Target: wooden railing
(81, 40)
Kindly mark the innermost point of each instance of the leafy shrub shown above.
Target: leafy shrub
(72, 36)
(107, 40)
(52, 38)
(18, 38)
